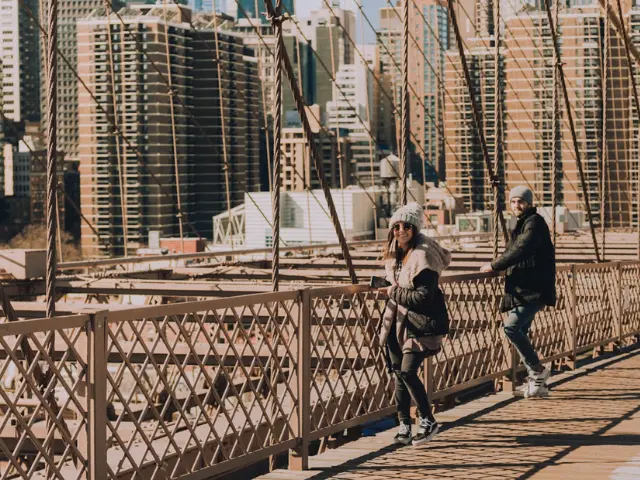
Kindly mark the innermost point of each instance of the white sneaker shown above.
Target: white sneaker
(426, 431)
(536, 385)
(403, 437)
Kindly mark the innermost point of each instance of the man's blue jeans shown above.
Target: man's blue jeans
(516, 328)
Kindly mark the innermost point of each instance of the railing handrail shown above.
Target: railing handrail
(229, 253)
(321, 337)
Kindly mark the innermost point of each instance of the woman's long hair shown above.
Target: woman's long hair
(391, 250)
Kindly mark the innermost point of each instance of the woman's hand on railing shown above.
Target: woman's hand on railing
(385, 291)
(487, 269)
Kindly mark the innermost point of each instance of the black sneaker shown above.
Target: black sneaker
(403, 437)
(426, 432)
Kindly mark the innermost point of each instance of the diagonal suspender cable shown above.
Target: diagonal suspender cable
(275, 16)
(475, 111)
(317, 161)
(567, 103)
(171, 94)
(404, 149)
(497, 125)
(114, 106)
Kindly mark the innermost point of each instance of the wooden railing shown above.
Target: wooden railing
(192, 390)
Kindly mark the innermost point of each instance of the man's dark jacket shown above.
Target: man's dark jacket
(530, 263)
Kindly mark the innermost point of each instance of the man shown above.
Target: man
(530, 265)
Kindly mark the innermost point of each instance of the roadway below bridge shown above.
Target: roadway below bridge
(588, 428)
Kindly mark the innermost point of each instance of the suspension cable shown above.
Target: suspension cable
(52, 109)
(368, 130)
(574, 137)
(309, 112)
(275, 16)
(497, 125)
(404, 149)
(286, 65)
(475, 111)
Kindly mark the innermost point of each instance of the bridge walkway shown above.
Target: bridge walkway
(588, 428)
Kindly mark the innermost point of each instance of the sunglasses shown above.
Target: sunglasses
(405, 226)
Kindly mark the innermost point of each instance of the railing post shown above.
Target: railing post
(299, 458)
(574, 318)
(620, 309)
(97, 395)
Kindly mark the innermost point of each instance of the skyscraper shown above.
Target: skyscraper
(207, 6)
(130, 188)
(528, 97)
(330, 32)
(19, 61)
(430, 38)
(256, 9)
(69, 12)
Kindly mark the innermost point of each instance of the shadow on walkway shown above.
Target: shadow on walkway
(517, 438)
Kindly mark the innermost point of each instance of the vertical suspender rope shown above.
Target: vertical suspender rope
(52, 197)
(555, 136)
(404, 149)
(275, 15)
(497, 127)
(576, 147)
(52, 145)
(475, 111)
(116, 127)
(605, 131)
(223, 123)
(174, 139)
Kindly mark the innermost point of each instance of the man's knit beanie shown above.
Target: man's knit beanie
(522, 192)
(410, 213)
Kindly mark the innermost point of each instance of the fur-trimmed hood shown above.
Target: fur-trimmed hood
(427, 254)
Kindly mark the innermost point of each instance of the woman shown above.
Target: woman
(413, 264)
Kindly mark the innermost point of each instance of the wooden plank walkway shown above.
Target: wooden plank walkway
(589, 428)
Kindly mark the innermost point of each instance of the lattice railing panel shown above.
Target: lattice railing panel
(551, 329)
(44, 421)
(630, 299)
(596, 303)
(349, 377)
(475, 347)
(204, 383)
